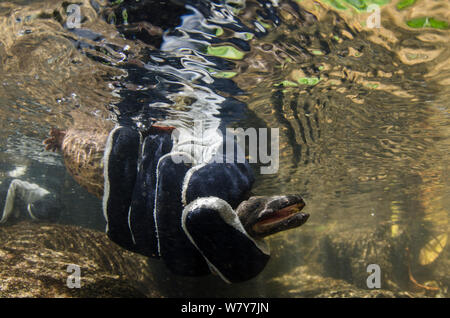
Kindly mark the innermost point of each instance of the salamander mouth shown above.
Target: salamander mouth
(281, 220)
(263, 216)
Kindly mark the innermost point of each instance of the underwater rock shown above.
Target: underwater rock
(337, 262)
(301, 283)
(35, 260)
(346, 255)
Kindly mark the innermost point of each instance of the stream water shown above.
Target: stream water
(359, 91)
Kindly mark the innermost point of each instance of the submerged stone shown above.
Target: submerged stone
(35, 260)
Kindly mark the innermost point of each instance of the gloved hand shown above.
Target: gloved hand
(159, 204)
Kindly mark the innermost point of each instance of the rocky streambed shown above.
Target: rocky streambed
(35, 260)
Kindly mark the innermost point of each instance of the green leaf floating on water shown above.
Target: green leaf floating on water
(308, 80)
(426, 22)
(226, 51)
(372, 85)
(248, 36)
(360, 5)
(287, 83)
(336, 4)
(219, 31)
(125, 16)
(379, 2)
(405, 3)
(264, 24)
(224, 74)
(221, 74)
